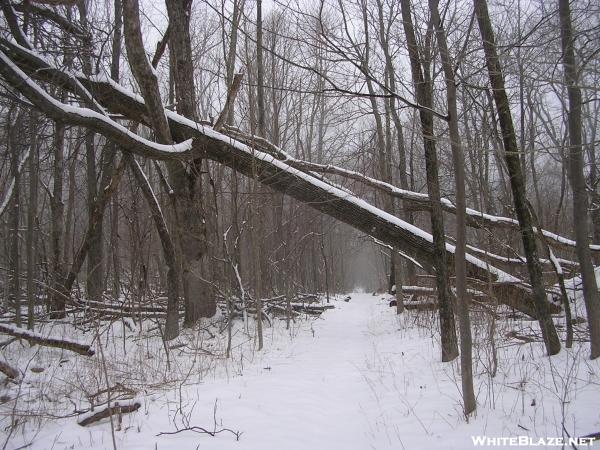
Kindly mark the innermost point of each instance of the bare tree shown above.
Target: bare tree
(424, 96)
(460, 267)
(513, 163)
(577, 178)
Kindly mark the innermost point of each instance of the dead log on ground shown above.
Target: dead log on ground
(109, 411)
(40, 339)
(310, 309)
(9, 370)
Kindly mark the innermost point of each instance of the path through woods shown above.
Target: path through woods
(358, 377)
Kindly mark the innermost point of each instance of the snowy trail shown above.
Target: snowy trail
(360, 377)
(313, 394)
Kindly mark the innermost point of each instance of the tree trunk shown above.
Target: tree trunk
(172, 323)
(114, 212)
(513, 164)
(460, 267)
(30, 239)
(255, 214)
(186, 184)
(95, 258)
(423, 92)
(57, 294)
(108, 187)
(13, 131)
(577, 179)
(396, 262)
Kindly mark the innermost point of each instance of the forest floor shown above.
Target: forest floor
(358, 377)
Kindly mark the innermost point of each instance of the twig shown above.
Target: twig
(201, 430)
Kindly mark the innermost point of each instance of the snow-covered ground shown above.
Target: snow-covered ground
(358, 377)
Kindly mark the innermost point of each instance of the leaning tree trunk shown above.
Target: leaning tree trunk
(460, 267)
(146, 79)
(577, 179)
(234, 153)
(172, 322)
(513, 163)
(424, 96)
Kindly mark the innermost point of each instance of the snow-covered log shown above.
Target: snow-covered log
(199, 140)
(120, 407)
(9, 370)
(417, 200)
(46, 341)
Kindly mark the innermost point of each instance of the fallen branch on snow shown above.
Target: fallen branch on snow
(201, 430)
(9, 370)
(40, 339)
(117, 408)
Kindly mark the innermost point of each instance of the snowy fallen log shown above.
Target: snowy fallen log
(305, 297)
(278, 299)
(122, 307)
(9, 370)
(418, 201)
(282, 310)
(432, 292)
(197, 140)
(121, 407)
(310, 309)
(40, 339)
(421, 305)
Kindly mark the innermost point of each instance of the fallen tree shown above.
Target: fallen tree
(46, 341)
(119, 408)
(416, 201)
(18, 66)
(8, 370)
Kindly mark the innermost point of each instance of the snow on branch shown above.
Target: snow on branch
(241, 156)
(475, 218)
(88, 118)
(47, 341)
(8, 370)
(120, 407)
